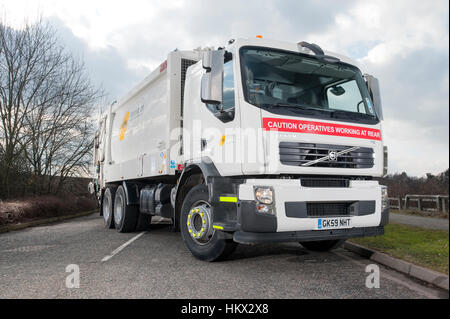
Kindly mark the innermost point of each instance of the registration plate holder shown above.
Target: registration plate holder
(333, 223)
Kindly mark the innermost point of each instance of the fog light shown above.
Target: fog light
(264, 195)
(384, 198)
(264, 209)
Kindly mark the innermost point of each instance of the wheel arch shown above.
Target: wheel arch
(131, 193)
(130, 188)
(194, 174)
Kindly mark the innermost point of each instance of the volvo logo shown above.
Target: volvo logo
(332, 155)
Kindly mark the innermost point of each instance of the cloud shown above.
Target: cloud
(404, 43)
(107, 68)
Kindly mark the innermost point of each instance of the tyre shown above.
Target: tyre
(202, 240)
(322, 245)
(125, 216)
(108, 207)
(143, 222)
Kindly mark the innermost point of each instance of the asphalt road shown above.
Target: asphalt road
(157, 265)
(419, 221)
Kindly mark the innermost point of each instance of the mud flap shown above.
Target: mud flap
(223, 196)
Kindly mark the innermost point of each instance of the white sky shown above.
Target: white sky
(403, 42)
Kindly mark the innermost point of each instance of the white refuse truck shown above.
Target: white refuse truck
(258, 141)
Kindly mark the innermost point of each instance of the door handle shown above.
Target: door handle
(203, 144)
(161, 145)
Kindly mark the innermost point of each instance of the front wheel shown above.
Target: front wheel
(199, 236)
(322, 245)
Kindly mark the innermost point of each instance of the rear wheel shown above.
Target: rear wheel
(199, 236)
(322, 245)
(108, 207)
(125, 216)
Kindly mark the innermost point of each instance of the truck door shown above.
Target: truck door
(219, 127)
(211, 130)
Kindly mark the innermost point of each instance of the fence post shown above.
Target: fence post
(442, 204)
(419, 203)
(399, 203)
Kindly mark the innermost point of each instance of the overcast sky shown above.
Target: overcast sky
(402, 42)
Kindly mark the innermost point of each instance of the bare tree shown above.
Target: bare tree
(46, 102)
(60, 133)
(402, 184)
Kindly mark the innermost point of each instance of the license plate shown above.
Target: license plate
(333, 223)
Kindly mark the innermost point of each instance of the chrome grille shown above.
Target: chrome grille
(298, 154)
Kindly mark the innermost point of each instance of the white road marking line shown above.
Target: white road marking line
(413, 286)
(116, 251)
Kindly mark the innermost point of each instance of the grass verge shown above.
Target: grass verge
(423, 247)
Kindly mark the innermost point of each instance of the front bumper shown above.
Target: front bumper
(290, 221)
(288, 192)
(306, 235)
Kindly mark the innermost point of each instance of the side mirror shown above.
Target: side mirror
(206, 60)
(212, 80)
(374, 90)
(225, 116)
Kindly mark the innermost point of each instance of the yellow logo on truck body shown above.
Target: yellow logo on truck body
(124, 125)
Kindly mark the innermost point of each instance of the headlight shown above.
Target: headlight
(264, 195)
(384, 198)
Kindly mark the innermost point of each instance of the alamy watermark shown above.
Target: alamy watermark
(373, 279)
(73, 279)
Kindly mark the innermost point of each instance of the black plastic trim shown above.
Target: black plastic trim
(313, 47)
(384, 217)
(206, 166)
(307, 235)
(130, 194)
(295, 209)
(357, 208)
(251, 221)
(224, 214)
(364, 207)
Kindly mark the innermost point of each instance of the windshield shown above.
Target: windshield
(290, 83)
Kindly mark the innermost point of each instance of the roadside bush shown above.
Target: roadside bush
(26, 209)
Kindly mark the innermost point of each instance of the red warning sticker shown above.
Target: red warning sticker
(163, 66)
(310, 127)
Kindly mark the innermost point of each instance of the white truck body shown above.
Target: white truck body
(136, 131)
(314, 164)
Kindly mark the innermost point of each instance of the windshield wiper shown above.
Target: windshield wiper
(294, 106)
(351, 115)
